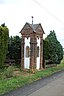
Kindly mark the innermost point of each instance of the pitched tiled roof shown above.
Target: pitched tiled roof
(34, 26)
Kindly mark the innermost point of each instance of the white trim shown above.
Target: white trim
(38, 58)
(26, 59)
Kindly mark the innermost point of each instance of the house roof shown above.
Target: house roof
(33, 27)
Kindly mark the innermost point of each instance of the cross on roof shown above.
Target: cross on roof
(32, 19)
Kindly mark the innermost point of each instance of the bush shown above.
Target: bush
(52, 48)
(8, 72)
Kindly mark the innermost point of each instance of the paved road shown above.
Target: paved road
(55, 88)
(50, 86)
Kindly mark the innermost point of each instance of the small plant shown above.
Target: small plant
(33, 70)
(8, 72)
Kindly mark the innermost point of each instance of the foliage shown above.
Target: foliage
(52, 48)
(63, 51)
(46, 49)
(4, 35)
(14, 48)
(8, 72)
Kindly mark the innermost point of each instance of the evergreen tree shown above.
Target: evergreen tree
(4, 35)
(14, 48)
(52, 48)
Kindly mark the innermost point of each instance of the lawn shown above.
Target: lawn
(10, 80)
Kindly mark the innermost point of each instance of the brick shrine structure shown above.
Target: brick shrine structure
(32, 46)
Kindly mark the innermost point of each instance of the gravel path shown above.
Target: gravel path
(31, 88)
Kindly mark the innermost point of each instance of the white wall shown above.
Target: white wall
(26, 59)
(38, 58)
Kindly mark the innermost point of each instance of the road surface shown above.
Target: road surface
(49, 86)
(55, 88)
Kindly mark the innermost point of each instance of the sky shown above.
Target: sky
(50, 13)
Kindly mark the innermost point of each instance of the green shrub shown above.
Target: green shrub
(8, 72)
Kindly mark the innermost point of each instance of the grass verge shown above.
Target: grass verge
(18, 81)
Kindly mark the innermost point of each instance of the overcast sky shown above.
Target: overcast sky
(50, 13)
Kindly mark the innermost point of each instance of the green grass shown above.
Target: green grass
(12, 83)
(17, 81)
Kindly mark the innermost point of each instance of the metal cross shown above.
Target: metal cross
(32, 19)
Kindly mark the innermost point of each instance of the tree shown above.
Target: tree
(4, 35)
(63, 51)
(14, 48)
(52, 48)
(46, 49)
